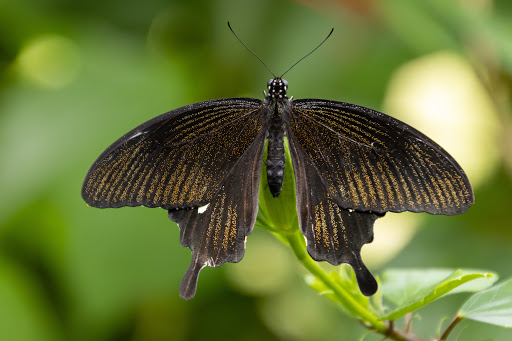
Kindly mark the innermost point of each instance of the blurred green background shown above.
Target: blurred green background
(76, 75)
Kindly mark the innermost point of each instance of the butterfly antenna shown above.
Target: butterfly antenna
(297, 62)
(255, 55)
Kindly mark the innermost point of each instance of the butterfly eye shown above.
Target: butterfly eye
(285, 84)
(269, 83)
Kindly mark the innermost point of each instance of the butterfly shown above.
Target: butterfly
(202, 163)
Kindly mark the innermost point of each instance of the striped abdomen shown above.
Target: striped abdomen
(275, 158)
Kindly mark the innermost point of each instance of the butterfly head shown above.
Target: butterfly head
(277, 88)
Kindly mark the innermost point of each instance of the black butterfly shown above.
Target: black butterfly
(202, 163)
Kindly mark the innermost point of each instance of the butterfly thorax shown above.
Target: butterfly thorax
(277, 102)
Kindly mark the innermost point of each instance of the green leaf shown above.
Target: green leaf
(493, 306)
(409, 290)
(318, 285)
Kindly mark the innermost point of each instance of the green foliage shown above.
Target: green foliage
(411, 289)
(403, 292)
(346, 280)
(493, 306)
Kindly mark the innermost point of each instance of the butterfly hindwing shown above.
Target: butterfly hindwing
(217, 235)
(176, 160)
(333, 234)
(369, 161)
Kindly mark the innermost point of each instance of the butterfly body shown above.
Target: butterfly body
(277, 109)
(351, 164)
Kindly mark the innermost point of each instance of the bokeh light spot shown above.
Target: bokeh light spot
(265, 269)
(50, 61)
(441, 96)
(391, 234)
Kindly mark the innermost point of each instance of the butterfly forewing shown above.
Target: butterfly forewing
(176, 160)
(369, 161)
(217, 235)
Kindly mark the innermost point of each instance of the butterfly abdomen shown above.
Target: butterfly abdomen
(275, 158)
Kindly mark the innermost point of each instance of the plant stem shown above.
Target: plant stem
(450, 327)
(401, 335)
(298, 246)
(371, 321)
